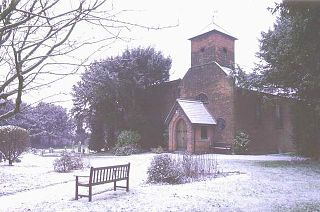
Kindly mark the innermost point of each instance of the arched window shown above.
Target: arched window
(221, 124)
(225, 54)
(202, 97)
(279, 116)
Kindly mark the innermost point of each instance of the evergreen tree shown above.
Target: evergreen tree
(290, 63)
(118, 85)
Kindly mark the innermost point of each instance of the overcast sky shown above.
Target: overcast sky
(244, 19)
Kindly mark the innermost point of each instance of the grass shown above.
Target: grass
(258, 184)
(301, 207)
(290, 164)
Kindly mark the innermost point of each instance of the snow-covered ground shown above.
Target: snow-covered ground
(258, 183)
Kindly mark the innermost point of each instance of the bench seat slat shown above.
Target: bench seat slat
(218, 147)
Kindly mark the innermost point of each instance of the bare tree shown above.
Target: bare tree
(34, 32)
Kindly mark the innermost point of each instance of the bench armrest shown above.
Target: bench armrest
(82, 176)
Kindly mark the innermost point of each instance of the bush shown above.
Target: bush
(13, 142)
(127, 143)
(241, 143)
(126, 150)
(182, 168)
(196, 166)
(164, 169)
(158, 150)
(68, 162)
(128, 137)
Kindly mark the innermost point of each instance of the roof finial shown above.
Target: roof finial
(213, 16)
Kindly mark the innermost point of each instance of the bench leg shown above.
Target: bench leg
(90, 193)
(76, 188)
(127, 189)
(115, 185)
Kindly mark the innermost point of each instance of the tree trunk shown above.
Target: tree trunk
(10, 162)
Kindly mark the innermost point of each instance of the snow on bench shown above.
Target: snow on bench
(221, 146)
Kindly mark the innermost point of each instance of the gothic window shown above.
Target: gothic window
(279, 116)
(225, 55)
(258, 112)
(202, 97)
(204, 132)
(221, 124)
(176, 93)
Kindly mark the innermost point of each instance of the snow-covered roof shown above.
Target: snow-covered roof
(196, 112)
(226, 70)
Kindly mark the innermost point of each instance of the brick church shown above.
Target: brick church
(205, 107)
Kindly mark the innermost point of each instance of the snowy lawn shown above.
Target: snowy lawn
(258, 183)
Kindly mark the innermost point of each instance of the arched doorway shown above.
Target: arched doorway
(181, 135)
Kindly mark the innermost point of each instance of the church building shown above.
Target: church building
(205, 107)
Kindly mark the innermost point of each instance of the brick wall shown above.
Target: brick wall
(195, 144)
(255, 113)
(202, 145)
(156, 109)
(172, 144)
(212, 81)
(212, 46)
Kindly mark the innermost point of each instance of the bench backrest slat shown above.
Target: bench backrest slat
(109, 173)
(100, 177)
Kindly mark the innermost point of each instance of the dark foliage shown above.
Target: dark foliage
(97, 136)
(114, 89)
(49, 125)
(290, 63)
(13, 142)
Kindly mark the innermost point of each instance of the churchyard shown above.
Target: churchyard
(245, 183)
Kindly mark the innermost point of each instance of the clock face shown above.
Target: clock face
(221, 123)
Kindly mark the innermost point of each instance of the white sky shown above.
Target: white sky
(243, 19)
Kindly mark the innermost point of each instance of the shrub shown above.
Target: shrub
(126, 150)
(182, 168)
(196, 166)
(158, 150)
(128, 137)
(241, 142)
(68, 162)
(164, 169)
(127, 143)
(13, 142)
(165, 136)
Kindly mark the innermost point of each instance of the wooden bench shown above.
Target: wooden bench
(221, 147)
(102, 175)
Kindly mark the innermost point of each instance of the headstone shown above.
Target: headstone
(79, 146)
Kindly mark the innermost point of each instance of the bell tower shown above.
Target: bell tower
(213, 46)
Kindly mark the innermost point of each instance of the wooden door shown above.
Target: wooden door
(181, 135)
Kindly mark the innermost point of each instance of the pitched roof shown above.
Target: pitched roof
(214, 31)
(226, 70)
(195, 111)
